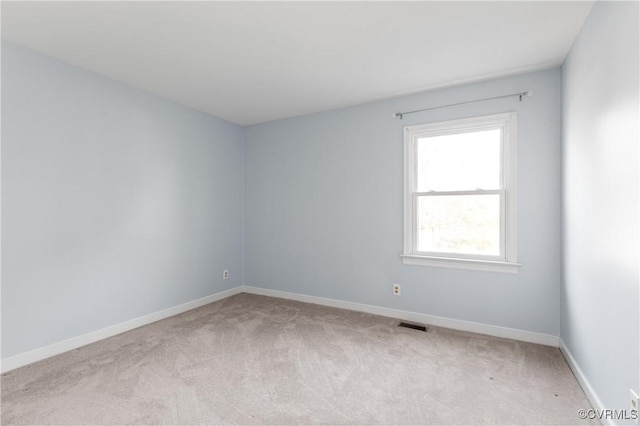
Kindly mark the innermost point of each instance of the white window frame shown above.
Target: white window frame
(507, 260)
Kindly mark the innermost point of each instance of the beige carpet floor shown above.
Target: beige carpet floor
(257, 360)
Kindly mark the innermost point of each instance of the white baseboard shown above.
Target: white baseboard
(474, 327)
(591, 394)
(44, 352)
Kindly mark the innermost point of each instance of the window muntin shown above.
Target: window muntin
(460, 190)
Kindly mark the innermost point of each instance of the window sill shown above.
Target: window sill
(469, 264)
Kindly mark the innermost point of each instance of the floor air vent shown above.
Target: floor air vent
(413, 326)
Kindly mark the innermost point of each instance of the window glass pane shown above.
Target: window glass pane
(458, 162)
(467, 224)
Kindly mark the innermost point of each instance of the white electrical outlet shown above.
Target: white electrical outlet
(396, 289)
(225, 274)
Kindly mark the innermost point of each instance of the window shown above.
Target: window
(459, 193)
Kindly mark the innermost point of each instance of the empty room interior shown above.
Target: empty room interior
(320, 212)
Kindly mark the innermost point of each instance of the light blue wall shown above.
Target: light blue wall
(323, 208)
(115, 203)
(600, 298)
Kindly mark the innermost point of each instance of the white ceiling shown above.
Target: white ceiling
(250, 62)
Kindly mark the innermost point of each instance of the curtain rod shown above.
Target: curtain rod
(520, 95)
